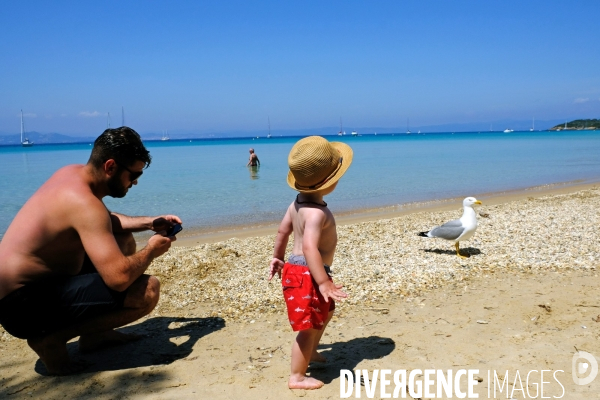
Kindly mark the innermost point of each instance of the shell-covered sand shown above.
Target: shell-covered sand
(384, 259)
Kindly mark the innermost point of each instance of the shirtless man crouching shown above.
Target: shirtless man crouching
(69, 266)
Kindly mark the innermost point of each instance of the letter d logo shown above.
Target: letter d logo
(579, 368)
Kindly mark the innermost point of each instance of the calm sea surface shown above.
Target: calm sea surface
(207, 183)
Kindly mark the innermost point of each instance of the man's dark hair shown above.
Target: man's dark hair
(123, 145)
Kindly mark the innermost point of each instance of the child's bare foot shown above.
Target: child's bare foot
(306, 383)
(95, 341)
(54, 355)
(317, 357)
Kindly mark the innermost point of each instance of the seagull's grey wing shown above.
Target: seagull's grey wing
(452, 224)
(450, 230)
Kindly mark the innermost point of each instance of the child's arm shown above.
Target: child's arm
(310, 248)
(281, 241)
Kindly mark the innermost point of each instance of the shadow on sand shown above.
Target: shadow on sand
(465, 251)
(165, 340)
(347, 355)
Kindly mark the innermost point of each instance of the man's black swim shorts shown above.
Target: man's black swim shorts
(54, 303)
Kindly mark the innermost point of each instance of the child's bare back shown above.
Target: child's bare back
(316, 220)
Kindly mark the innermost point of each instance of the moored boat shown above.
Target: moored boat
(24, 142)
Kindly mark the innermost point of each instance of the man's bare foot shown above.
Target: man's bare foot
(95, 341)
(306, 383)
(317, 357)
(54, 355)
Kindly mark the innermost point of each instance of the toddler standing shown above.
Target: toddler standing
(315, 165)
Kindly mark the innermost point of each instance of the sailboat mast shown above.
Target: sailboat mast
(22, 129)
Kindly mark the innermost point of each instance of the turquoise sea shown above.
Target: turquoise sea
(207, 183)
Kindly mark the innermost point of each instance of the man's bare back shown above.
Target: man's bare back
(42, 240)
(253, 160)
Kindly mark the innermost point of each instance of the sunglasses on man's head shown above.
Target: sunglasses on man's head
(133, 175)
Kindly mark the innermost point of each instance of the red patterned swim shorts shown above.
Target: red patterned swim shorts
(305, 305)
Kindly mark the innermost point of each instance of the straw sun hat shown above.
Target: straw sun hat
(316, 164)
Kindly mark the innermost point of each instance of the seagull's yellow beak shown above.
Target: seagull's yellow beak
(477, 202)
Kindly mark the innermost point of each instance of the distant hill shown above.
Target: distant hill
(578, 124)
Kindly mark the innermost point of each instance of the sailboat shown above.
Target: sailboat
(341, 132)
(165, 136)
(269, 134)
(26, 142)
(532, 126)
(407, 130)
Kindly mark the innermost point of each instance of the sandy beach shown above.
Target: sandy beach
(525, 299)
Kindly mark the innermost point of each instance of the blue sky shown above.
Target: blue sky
(219, 66)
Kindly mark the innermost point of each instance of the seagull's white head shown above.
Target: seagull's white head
(469, 201)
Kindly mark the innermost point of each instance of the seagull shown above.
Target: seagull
(458, 229)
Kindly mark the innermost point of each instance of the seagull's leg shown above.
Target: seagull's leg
(458, 251)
